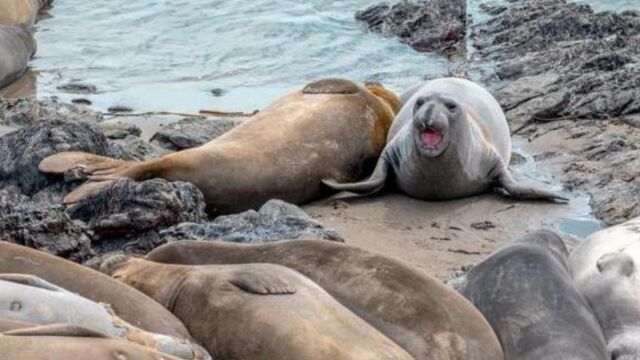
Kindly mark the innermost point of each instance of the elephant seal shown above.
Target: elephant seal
(29, 299)
(331, 128)
(256, 310)
(416, 311)
(606, 268)
(526, 292)
(20, 12)
(450, 140)
(131, 305)
(17, 47)
(62, 341)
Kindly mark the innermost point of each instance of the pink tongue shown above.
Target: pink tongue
(430, 138)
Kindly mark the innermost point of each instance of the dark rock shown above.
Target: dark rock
(217, 92)
(43, 227)
(431, 25)
(276, 220)
(137, 149)
(77, 88)
(127, 208)
(81, 101)
(192, 132)
(118, 130)
(21, 151)
(119, 109)
(29, 112)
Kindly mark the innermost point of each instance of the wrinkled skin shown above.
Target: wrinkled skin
(527, 294)
(416, 311)
(450, 140)
(606, 270)
(256, 311)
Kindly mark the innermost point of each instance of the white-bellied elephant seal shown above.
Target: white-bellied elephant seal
(413, 309)
(130, 304)
(29, 299)
(450, 140)
(331, 128)
(256, 311)
(526, 292)
(606, 268)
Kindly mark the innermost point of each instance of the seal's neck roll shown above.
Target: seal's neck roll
(387, 96)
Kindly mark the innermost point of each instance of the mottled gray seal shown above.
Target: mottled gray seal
(17, 47)
(331, 128)
(256, 311)
(606, 268)
(29, 299)
(450, 140)
(526, 292)
(130, 304)
(413, 309)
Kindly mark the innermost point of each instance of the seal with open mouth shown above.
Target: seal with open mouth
(450, 140)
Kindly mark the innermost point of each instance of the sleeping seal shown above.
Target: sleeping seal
(29, 299)
(526, 292)
(606, 269)
(418, 312)
(450, 140)
(254, 311)
(130, 304)
(331, 128)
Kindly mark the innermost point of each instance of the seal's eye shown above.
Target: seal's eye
(450, 105)
(419, 102)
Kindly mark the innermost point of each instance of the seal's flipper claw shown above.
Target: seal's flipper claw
(261, 283)
(65, 161)
(372, 185)
(524, 192)
(84, 191)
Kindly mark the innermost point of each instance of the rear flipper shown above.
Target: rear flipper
(523, 192)
(101, 171)
(372, 185)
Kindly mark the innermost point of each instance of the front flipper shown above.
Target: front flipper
(524, 192)
(370, 186)
(260, 282)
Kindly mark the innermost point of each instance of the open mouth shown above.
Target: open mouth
(430, 138)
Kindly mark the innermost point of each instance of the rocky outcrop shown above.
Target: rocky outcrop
(30, 112)
(44, 227)
(276, 220)
(427, 26)
(192, 132)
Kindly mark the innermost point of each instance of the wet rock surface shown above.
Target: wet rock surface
(427, 26)
(566, 74)
(276, 220)
(192, 132)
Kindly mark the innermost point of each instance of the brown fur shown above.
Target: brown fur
(257, 311)
(415, 310)
(284, 151)
(19, 12)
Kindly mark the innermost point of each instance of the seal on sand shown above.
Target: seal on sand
(331, 128)
(29, 299)
(418, 312)
(526, 292)
(606, 268)
(239, 311)
(17, 47)
(450, 140)
(131, 305)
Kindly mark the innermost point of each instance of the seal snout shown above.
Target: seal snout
(431, 121)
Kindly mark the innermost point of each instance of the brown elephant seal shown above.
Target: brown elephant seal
(63, 342)
(256, 311)
(130, 304)
(20, 12)
(17, 47)
(416, 311)
(606, 268)
(450, 140)
(526, 292)
(331, 128)
(29, 299)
